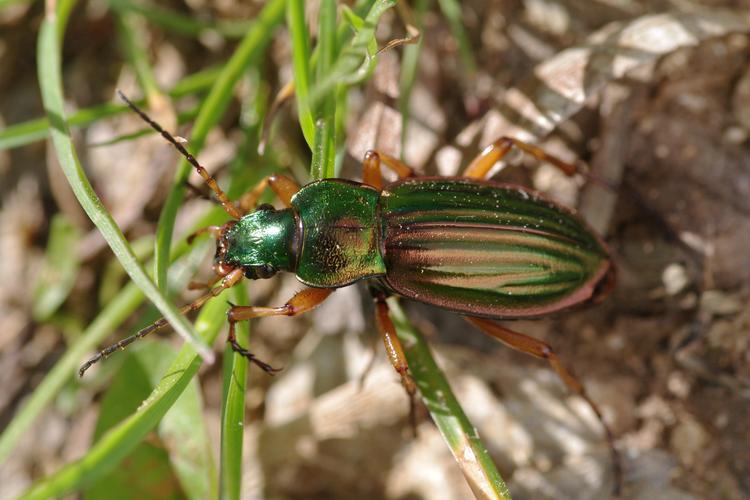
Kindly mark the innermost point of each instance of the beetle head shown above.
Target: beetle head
(261, 243)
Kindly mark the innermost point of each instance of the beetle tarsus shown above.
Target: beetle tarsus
(88, 364)
(413, 416)
(236, 347)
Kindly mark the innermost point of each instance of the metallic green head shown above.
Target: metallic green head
(262, 243)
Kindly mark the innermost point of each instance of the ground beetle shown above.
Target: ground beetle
(484, 250)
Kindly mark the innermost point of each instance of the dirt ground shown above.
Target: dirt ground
(667, 356)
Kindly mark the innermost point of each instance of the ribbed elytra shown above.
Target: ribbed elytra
(487, 249)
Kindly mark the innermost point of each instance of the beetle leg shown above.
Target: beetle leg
(199, 285)
(371, 173)
(303, 301)
(481, 165)
(236, 347)
(283, 186)
(542, 350)
(228, 281)
(395, 352)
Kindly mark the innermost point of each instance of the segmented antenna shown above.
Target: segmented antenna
(228, 281)
(229, 207)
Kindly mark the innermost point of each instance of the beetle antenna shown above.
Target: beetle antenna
(229, 207)
(228, 281)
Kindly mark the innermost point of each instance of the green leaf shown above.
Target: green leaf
(180, 451)
(184, 432)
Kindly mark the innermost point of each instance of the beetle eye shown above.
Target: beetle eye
(261, 272)
(265, 206)
(266, 271)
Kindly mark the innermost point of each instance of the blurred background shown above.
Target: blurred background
(665, 357)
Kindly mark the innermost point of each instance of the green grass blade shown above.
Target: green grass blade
(185, 434)
(131, 38)
(115, 445)
(131, 34)
(446, 412)
(181, 24)
(60, 268)
(34, 130)
(48, 57)
(355, 61)
(324, 149)
(452, 12)
(6, 3)
(149, 473)
(116, 312)
(210, 113)
(295, 14)
(409, 64)
(233, 409)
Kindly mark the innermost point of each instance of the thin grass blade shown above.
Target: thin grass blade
(211, 110)
(409, 64)
(115, 445)
(462, 439)
(452, 12)
(233, 410)
(324, 148)
(357, 59)
(181, 24)
(60, 268)
(50, 80)
(295, 14)
(34, 130)
(118, 309)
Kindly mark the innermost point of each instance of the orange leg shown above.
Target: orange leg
(303, 301)
(481, 165)
(371, 173)
(395, 352)
(542, 350)
(199, 285)
(283, 186)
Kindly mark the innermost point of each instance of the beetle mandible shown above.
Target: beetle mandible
(485, 250)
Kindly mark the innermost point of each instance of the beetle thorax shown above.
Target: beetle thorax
(262, 242)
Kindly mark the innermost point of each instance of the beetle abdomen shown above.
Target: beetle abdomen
(486, 249)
